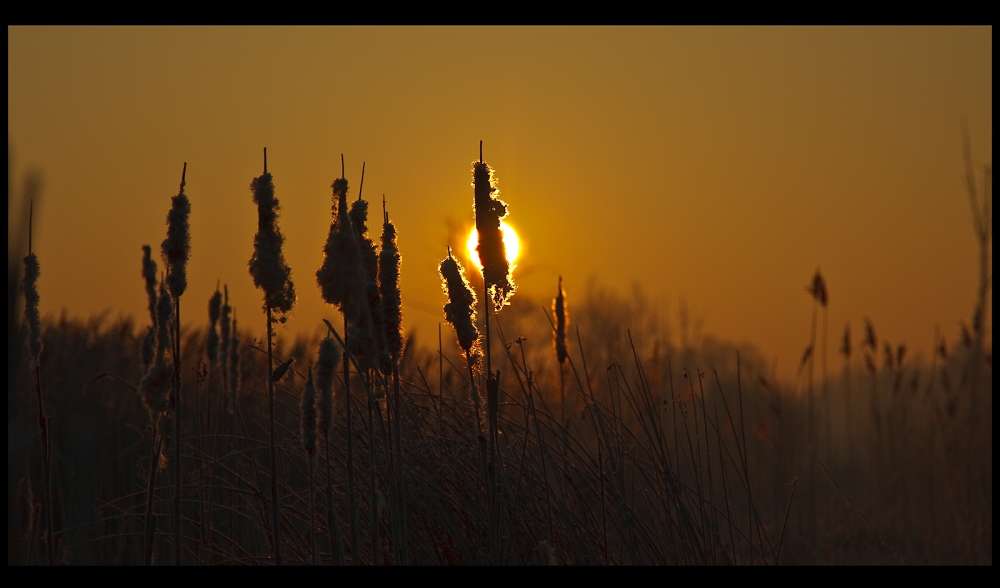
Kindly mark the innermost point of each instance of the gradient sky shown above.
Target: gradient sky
(721, 165)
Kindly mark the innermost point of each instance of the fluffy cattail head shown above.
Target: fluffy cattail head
(309, 417)
(214, 310)
(176, 248)
(149, 277)
(818, 289)
(460, 310)
(224, 326)
(326, 368)
(562, 323)
(155, 386)
(369, 332)
(845, 344)
(234, 364)
(267, 266)
(492, 253)
(32, 271)
(341, 277)
(388, 280)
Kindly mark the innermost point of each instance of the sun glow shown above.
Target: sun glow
(510, 242)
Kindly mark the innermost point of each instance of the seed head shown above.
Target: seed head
(156, 384)
(492, 253)
(388, 279)
(234, 365)
(818, 289)
(267, 266)
(341, 277)
(149, 277)
(460, 310)
(224, 327)
(176, 248)
(326, 368)
(309, 417)
(562, 322)
(32, 271)
(214, 310)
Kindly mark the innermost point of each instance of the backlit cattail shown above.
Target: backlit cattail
(460, 310)
(845, 345)
(492, 253)
(368, 329)
(341, 277)
(234, 364)
(224, 327)
(214, 310)
(818, 289)
(562, 322)
(388, 280)
(267, 266)
(32, 271)
(149, 278)
(326, 368)
(176, 248)
(871, 341)
(155, 385)
(309, 417)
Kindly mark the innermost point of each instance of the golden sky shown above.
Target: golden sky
(721, 165)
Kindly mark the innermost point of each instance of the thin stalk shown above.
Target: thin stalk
(351, 504)
(275, 513)
(177, 432)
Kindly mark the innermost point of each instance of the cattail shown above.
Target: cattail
(388, 280)
(267, 266)
(368, 328)
(460, 310)
(214, 310)
(234, 363)
(845, 345)
(149, 277)
(309, 417)
(32, 271)
(176, 248)
(326, 368)
(492, 253)
(224, 327)
(155, 385)
(871, 341)
(818, 289)
(562, 322)
(341, 277)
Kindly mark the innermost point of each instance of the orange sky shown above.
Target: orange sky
(722, 165)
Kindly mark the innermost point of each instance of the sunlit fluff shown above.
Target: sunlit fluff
(267, 266)
(491, 249)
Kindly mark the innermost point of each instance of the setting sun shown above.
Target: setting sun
(510, 242)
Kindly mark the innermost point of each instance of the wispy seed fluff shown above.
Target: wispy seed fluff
(32, 271)
(214, 310)
(341, 277)
(149, 278)
(176, 248)
(388, 280)
(234, 365)
(369, 333)
(326, 368)
(492, 253)
(562, 322)
(156, 384)
(309, 417)
(224, 326)
(267, 266)
(460, 310)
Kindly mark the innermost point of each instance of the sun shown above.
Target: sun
(510, 243)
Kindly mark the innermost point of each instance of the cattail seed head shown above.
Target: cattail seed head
(214, 310)
(224, 326)
(562, 322)
(156, 384)
(492, 252)
(388, 279)
(460, 310)
(369, 332)
(234, 365)
(845, 345)
(149, 277)
(29, 287)
(818, 289)
(341, 277)
(267, 266)
(326, 368)
(176, 248)
(309, 417)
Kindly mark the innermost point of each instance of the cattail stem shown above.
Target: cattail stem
(351, 504)
(401, 557)
(177, 432)
(275, 512)
(154, 465)
(333, 525)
